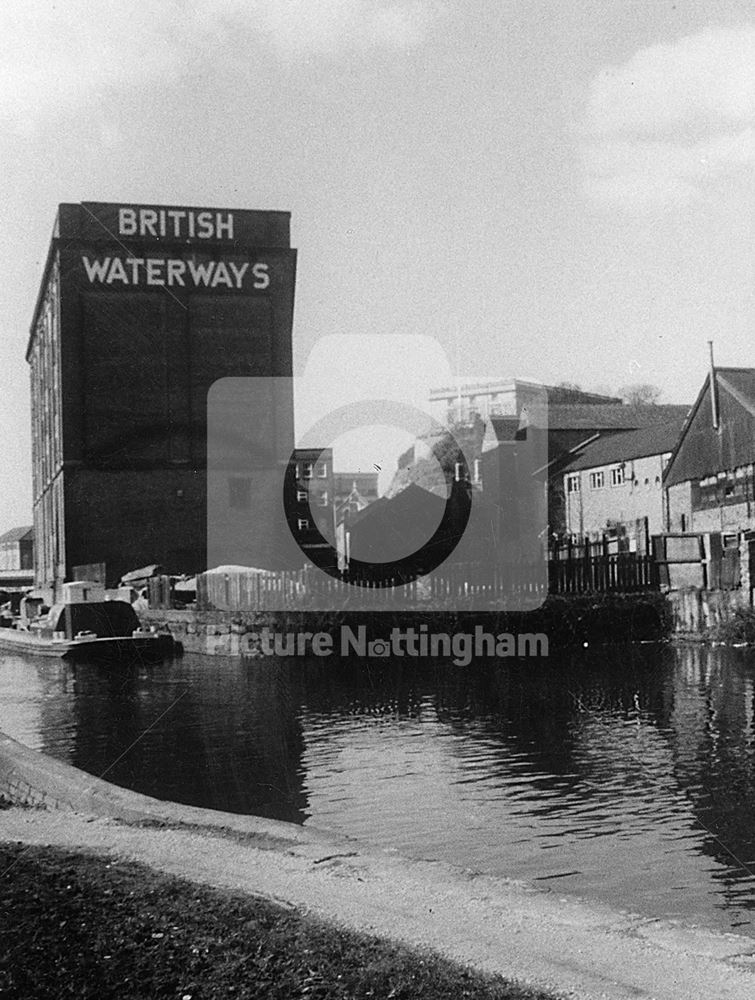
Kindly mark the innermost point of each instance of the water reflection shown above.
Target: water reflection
(624, 774)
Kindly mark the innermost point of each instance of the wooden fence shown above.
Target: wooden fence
(464, 586)
(621, 572)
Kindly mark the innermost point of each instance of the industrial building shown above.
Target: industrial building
(141, 310)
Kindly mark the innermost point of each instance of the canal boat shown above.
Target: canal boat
(88, 630)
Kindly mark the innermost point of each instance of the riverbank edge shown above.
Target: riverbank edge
(505, 927)
(571, 620)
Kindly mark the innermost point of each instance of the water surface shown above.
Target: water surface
(624, 775)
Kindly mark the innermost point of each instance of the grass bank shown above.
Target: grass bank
(75, 925)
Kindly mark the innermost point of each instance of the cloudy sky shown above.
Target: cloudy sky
(556, 190)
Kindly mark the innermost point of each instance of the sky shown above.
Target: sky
(556, 191)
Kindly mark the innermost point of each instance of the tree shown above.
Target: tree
(640, 392)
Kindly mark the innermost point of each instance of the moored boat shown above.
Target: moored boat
(88, 630)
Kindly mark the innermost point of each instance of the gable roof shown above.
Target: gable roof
(627, 445)
(26, 531)
(702, 450)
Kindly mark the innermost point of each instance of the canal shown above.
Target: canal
(623, 774)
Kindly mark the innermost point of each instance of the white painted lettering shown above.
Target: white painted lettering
(221, 276)
(126, 221)
(204, 225)
(201, 273)
(148, 220)
(136, 263)
(239, 270)
(176, 217)
(224, 227)
(117, 272)
(154, 271)
(176, 271)
(158, 271)
(262, 277)
(96, 269)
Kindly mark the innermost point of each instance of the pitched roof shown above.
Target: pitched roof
(702, 450)
(613, 416)
(627, 445)
(18, 534)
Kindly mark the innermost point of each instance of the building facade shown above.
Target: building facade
(17, 558)
(488, 397)
(710, 479)
(310, 503)
(614, 485)
(141, 310)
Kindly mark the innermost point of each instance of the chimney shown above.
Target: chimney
(713, 388)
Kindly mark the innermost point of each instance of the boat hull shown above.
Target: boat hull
(151, 648)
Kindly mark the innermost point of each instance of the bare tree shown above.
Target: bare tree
(640, 392)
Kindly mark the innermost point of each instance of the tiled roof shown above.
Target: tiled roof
(17, 534)
(627, 445)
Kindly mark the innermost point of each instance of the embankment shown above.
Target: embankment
(567, 620)
(585, 950)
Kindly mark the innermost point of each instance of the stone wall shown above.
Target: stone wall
(215, 633)
(695, 612)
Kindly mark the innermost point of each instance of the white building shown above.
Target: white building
(501, 397)
(615, 483)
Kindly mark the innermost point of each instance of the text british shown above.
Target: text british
(178, 223)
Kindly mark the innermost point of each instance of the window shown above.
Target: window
(308, 470)
(477, 470)
(617, 476)
(302, 496)
(457, 471)
(597, 480)
(322, 470)
(323, 499)
(303, 524)
(572, 483)
(240, 494)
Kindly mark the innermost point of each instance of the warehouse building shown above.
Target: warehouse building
(140, 311)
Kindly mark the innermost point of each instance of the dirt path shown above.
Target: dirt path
(585, 951)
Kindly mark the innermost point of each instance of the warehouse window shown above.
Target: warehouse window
(572, 483)
(597, 480)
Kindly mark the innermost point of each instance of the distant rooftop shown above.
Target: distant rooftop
(659, 439)
(617, 416)
(487, 385)
(21, 534)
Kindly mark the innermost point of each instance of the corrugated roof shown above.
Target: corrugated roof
(627, 445)
(702, 450)
(18, 534)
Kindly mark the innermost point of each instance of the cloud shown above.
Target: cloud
(673, 120)
(62, 58)
(59, 58)
(329, 26)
